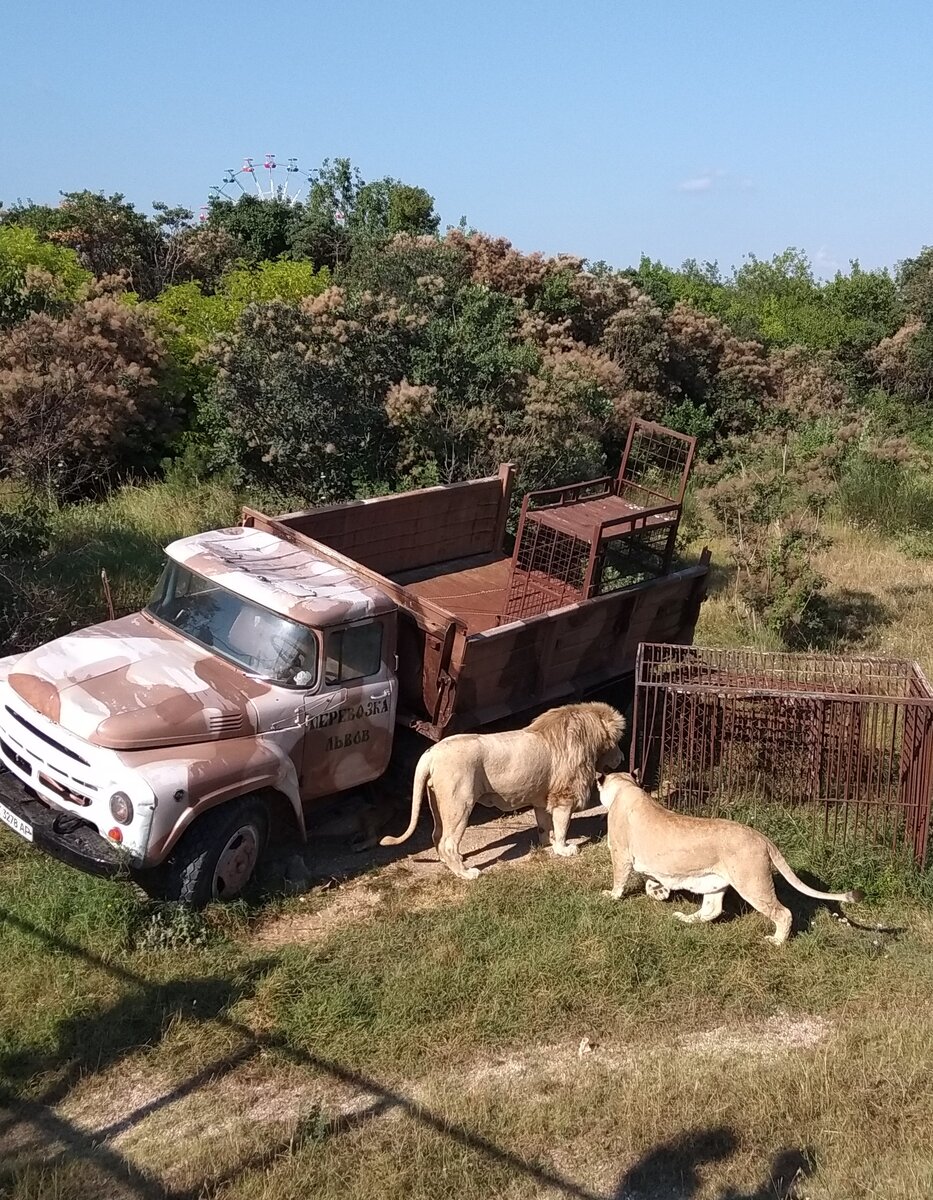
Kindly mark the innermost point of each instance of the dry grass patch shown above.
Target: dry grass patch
(879, 600)
(883, 596)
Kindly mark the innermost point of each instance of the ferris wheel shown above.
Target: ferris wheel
(262, 181)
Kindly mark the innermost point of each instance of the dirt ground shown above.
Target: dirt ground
(366, 878)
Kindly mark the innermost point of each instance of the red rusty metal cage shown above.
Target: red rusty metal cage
(849, 741)
(587, 539)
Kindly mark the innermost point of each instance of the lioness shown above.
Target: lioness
(550, 765)
(695, 854)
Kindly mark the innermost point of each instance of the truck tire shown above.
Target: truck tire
(217, 855)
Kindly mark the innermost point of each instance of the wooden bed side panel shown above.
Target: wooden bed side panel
(392, 534)
(555, 657)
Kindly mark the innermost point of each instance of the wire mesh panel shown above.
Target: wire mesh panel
(849, 742)
(644, 552)
(655, 465)
(585, 539)
(549, 570)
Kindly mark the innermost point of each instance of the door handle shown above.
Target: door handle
(381, 695)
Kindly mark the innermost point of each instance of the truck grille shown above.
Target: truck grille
(44, 737)
(63, 792)
(16, 759)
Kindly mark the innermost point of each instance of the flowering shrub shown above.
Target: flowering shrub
(80, 395)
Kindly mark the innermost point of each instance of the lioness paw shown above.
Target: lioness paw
(567, 851)
(471, 873)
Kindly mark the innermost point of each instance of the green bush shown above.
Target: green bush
(35, 275)
(25, 525)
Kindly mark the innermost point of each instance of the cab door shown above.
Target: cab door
(350, 744)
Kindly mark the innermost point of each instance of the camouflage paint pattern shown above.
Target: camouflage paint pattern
(133, 706)
(277, 575)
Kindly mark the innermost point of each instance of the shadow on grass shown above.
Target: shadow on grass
(671, 1170)
(841, 620)
(139, 1018)
(94, 1149)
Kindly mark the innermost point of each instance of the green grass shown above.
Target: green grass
(109, 1002)
(461, 1019)
(487, 972)
(891, 497)
(46, 592)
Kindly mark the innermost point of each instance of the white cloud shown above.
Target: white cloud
(701, 183)
(706, 181)
(824, 263)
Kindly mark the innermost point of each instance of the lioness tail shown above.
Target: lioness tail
(422, 771)
(783, 866)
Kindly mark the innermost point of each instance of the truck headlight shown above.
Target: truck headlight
(121, 806)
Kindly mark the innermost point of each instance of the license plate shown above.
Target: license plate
(17, 824)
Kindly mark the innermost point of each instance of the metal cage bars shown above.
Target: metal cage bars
(847, 741)
(611, 531)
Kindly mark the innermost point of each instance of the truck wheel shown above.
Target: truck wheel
(217, 855)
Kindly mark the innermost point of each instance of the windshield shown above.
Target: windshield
(256, 639)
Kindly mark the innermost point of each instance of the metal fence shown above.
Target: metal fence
(847, 740)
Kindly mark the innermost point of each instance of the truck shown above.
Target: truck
(276, 659)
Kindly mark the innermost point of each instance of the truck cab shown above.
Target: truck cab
(257, 674)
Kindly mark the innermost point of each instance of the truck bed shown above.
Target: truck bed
(474, 589)
(462, 663)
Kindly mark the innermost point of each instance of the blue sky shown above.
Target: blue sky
(679, 129)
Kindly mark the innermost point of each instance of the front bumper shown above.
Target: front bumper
(60, 834)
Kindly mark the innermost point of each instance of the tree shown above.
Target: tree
(79, 396)
(490, 381)
(727, 381)
(320, 230)
(185, 312)
(261, 228)
(406, 266)
(388, 206)
(35, 275)
(207, 254)
(343, 213)
(300, 390)
(915, 284)
(43, 219)
(904, 363)
(110, 237)
(169, 258)
(190, 322)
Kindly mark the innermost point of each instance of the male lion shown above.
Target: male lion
(695, 854)
(551, 765)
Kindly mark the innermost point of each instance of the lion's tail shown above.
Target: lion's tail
(783, 866)
(422, 774)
